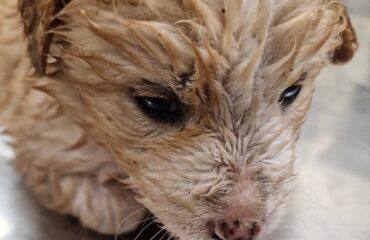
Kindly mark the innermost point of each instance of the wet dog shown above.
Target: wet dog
(188, 108)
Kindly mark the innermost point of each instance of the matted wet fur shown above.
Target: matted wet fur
(87, 149)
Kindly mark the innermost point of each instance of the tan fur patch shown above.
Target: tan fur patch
(87, 148)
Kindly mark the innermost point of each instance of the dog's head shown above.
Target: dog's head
(201, 101)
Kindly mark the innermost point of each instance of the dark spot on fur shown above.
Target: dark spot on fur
(341, 20)
(206, 90)
(303, 77)
(223, 10)
(184, 78)
(345, 52)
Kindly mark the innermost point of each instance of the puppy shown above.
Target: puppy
(188, 108)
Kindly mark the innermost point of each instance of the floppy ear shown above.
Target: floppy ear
(345, 52)
(39, 17)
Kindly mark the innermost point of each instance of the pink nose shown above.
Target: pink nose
(223, 230)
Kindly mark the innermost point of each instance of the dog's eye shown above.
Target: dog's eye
(289, 95)
(157, 104)
(161, 109)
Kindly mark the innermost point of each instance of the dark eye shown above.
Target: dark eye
(161, 109)
(289, 95)
(157, 104)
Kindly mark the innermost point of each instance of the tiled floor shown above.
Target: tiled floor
(333, 200)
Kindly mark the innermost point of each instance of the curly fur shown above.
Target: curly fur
(86, 149)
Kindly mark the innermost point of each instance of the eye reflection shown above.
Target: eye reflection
(157, 104)
(290, 95)
(165, 110)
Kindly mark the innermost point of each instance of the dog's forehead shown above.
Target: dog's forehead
(237, 51)
(180, 37)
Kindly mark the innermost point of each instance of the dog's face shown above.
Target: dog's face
(200, 101)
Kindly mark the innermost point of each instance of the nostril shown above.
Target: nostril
(254, 229)
(215, 237)
(237, 224)
(233, 230)
(212, 230)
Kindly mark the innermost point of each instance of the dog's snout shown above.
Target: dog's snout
(233, 230)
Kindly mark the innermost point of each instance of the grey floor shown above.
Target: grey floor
(333, 198)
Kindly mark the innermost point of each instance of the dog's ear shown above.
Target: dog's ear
(39, 17)
(345, 52)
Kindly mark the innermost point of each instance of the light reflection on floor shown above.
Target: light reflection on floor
(5, 228)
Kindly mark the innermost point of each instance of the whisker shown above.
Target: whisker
(124, 220)
(137, 223)
(117, 210)
(157, 233)
(83, 229)
(143, 229)
(165, 234)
